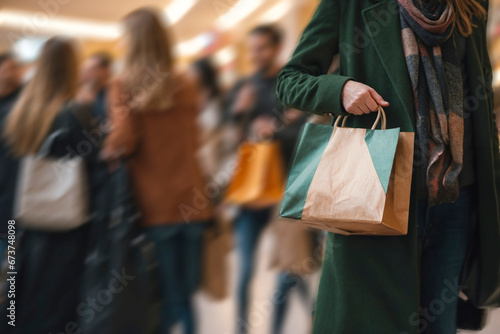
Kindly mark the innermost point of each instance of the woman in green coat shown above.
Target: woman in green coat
(426, 63)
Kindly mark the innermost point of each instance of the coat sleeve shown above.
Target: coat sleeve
(488, 81)
(488, 71)
(304, 83)
(125, 135)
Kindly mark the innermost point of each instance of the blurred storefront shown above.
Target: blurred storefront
(201, 27)
(494, 36)
(212, 27)
(216, 28)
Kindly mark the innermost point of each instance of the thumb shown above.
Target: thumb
(379, 99)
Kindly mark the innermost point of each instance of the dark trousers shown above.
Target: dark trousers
(50, 267)
(248, 228)
(287, 283)
(443, 238)
(179, 250)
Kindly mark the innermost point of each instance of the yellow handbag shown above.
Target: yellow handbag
(259, 179)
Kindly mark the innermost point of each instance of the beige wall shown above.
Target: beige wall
(90, 47)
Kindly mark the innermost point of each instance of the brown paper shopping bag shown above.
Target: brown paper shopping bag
(217, 243)
(352, 181)
(259, 179)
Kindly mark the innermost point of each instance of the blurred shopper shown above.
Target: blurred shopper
(210, 99)
(10, 87)
(214, 148)
(408, 284)
(154, 112)
(94, 85)
(252, 102)
(50, 264)
(258, 112)
(95, 80)
(297, 252)
(215, 152)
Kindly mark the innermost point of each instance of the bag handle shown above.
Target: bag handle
(380, 116)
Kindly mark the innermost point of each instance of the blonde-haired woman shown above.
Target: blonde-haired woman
(154, 111)
(50, 264)
(426, 63)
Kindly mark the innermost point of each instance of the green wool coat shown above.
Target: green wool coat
(370, 285)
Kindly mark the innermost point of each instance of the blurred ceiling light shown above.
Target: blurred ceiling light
(28, 49)
(36, 23)
(276, 12)
(194, 45)
(177, 9)
(224, 56)
(238, 12)
(496, 78)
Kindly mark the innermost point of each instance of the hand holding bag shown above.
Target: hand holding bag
(351, 181)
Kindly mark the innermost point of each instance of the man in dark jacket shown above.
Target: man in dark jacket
(257, 112)
(10, 86)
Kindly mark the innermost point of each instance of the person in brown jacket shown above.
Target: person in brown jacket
(153, 114)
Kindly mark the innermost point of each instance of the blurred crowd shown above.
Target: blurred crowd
(160, 149)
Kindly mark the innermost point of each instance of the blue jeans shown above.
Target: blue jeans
(443, 232)
(287, 282)
(179, 249)
(248, 228)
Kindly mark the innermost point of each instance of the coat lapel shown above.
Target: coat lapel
(384, 28)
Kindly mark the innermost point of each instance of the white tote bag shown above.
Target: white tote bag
(52, 194)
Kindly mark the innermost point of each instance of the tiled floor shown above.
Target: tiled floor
(218, 317)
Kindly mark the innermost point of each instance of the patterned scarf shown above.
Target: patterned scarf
(434, 68)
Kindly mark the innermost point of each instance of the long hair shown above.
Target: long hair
(148, 50)
(208, 76)
(463, 14)
(54, 82)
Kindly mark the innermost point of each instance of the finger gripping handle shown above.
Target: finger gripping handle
(380, 116)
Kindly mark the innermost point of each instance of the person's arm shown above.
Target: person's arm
(488, 74)
(245, 100)
(124, 136)
(304, 83)
(488, 82)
